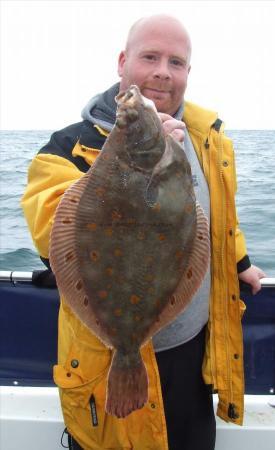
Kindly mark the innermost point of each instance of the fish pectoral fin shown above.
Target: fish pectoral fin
(192, 276)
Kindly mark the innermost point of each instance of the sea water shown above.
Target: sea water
(255, 160)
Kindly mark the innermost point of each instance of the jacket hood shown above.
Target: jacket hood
(101, 109)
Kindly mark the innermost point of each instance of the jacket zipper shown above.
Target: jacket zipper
(224, 237)
(213, 365)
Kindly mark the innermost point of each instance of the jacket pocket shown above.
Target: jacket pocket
(82, 382)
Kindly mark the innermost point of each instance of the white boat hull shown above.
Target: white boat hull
(31, 419)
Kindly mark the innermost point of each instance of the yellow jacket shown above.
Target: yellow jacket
(83, 361)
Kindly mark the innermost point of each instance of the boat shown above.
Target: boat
(30, 414)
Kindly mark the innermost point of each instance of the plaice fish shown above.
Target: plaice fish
(129, 245)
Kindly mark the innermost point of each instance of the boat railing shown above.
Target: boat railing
(27, 277)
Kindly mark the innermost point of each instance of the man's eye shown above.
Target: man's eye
(177, 62)
(150, 57)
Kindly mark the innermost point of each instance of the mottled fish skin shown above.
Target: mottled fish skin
(135, 225)
(131, 253)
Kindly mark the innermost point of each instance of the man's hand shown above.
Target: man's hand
(172, 126)
(252, 276)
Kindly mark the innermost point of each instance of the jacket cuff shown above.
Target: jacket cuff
(243, 264)
(46, 262)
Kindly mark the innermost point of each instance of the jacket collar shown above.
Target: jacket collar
(199, 119)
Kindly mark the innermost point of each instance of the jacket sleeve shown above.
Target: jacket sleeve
(242, 258)
(48, 178)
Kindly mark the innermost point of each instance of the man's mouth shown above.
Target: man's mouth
(158, 91)
(155, 93)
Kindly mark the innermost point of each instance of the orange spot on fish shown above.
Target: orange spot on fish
(105, 156)
(118, 312)
(94, 255)
(156, 207)
(179, 254)
(157, 303)
(141, 235)
(188, 208)
(91, 226)
(66, 220)
(109, 271)
(172, 194)
(79, 285)
(108, 231)
(69, 256)
(189, 274)
(100, 191)
(162, 237)
(116, 215)
(117, 252)
(137, 318)
(131, 221)
(200, 236)
(134, 299)
(102, 294)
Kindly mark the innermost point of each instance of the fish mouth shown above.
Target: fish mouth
(129, 103)
(132, 97)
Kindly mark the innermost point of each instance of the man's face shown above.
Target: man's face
(157, 61)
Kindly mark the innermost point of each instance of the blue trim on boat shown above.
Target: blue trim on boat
(28, 336)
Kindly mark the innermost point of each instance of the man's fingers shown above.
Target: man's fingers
(178, 135)
(256, 287)
(252, 276)
(172, 126)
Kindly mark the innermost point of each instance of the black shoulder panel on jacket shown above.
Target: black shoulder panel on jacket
(90, 136)
(63, 141)
(217, 125)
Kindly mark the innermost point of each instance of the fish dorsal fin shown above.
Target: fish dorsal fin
(191, 278)
(63, 258)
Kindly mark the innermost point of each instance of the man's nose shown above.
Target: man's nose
(162, 70)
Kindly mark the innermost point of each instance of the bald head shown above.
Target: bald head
(157, 59)
(163, 21)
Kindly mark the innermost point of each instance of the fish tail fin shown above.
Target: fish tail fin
(127, 385)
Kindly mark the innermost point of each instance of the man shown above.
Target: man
(179, 414)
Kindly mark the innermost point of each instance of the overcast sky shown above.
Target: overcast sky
(55, 55)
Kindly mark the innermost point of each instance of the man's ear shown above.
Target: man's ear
(121, 61)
